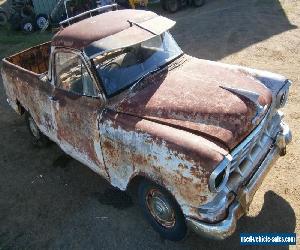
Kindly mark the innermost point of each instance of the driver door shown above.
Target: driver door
(77, 105)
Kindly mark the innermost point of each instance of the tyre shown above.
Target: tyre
(27, 11)
(172, 5)
(42, 21)
(38, 138)
(15, 21)
(162, 211)
(198, 3)
(27, 25)
(3, 18)
(163, 5)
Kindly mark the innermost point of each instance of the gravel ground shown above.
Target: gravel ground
(48, 200)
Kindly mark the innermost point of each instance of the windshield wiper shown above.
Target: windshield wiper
(146, 75)
(141, 27)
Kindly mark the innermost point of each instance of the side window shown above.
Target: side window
(72, 75)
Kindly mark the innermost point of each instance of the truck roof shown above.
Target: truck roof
(81, 34)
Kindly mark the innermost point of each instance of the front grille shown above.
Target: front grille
(243, 151)
(247, 155)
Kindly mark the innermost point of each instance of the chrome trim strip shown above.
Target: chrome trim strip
(256, 145)
(102, 8)
(225, 164)
(283, 91)
(220, 230)
(253, 97)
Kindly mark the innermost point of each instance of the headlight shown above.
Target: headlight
(282, 95)
(219, 177)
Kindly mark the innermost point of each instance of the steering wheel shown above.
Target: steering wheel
(109, 65)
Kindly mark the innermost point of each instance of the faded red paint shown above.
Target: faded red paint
(75, 125)
(78, 36)
(189, 97)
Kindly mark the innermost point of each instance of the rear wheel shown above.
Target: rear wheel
(38, 138)
(15, 21)
(172, 5)
(163, 4)
(162, 211)
(198, 3)
(3, 18)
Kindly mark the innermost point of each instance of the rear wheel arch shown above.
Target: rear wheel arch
(38, 138)
(173, 5)
(198, 3)
(21, 109)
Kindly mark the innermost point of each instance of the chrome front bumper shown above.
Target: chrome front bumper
(240, 205)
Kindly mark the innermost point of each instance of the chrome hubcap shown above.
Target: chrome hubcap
(160, 209)
(33, 128)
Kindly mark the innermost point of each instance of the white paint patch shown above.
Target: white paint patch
(81, 157)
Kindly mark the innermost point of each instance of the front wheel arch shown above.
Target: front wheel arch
(21, 109)
(138, 177)
(162, 211)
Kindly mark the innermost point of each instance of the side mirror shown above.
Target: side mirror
(44, 77)
(102, 97)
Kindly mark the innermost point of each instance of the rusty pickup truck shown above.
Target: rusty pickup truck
(196, 137)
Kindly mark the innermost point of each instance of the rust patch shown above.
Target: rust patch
(140, 160)
(77, 36)
(77, 122)
(164, 154)
(198, 104)
(195, 171)
(182, 166)
(35, 59)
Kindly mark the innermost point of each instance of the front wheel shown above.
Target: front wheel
(38, 138)
(162, 211)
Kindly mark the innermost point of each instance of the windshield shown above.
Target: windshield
(121, 68)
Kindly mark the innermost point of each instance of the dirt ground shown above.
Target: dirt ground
(50, 201)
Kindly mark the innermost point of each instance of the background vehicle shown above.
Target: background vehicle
(31, 15)
(174, 5)
(26, 15)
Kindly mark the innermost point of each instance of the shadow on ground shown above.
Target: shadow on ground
(221, 28)
(276, 216)
(49, 201)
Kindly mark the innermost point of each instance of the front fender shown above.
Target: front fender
(177, 160)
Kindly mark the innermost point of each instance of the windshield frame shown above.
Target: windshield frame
(158, 68)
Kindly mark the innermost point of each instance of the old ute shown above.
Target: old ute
(196, 137)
